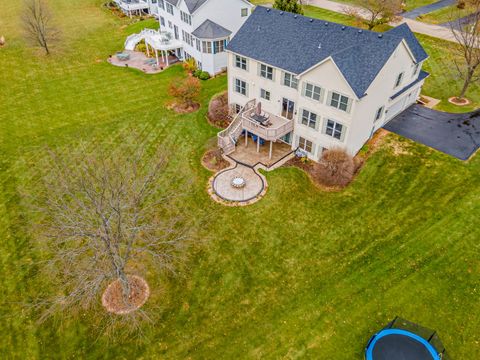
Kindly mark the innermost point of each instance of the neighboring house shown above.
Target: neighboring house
(137, 7)
(204, 27)
(321, 84)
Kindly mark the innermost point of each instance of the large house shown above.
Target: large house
(204, 27)
(320, 84)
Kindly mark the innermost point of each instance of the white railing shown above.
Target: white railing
(267, 133)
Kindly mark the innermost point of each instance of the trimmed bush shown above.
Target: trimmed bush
(197, 73)
(204, 75)
(335, 168)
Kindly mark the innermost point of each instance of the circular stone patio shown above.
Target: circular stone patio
(250, 191)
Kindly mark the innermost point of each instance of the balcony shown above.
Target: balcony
(267, 126)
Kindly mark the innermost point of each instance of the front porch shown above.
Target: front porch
(246, 152)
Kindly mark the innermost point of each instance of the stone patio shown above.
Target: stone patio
(249, 155)
(140, 61)
(254, 185)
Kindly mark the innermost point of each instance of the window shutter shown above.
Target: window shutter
(349, 106)
(304, 88)
(246, 88)
(329, 98)
(322, 94)
(344, 131)
(297, 141)
(273, 74)
(300, 114)
(324, 125)
(317, 123)
(259, 69)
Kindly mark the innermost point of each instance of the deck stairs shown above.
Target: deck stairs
(227, 138)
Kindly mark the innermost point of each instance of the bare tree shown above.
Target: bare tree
(37, 24)
(468, 36)
(375, 12)
(107, 216)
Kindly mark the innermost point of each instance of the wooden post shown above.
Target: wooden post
(148, 51)
(258, 143)
(167, 57)
(156, 56)
(270, 153)
(246, 138)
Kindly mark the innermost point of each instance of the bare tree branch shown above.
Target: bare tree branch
(375, 12)
(37, 24)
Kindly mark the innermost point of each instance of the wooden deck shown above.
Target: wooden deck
(249, 155)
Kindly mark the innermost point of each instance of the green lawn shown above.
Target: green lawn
(446, 14)
(300, 274)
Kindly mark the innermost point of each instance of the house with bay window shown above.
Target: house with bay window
(314, 84)
(204, 28)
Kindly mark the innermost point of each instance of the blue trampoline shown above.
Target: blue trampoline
(403, 340)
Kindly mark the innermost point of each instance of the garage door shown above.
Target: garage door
(395, 109)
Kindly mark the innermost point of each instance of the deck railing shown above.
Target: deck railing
(267, 133)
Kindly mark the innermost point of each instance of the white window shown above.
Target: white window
(244, 12)
(334, 129)
(340, 102)
(379, 113)
(241, 87)
(312, 91)
(399, 79)
(264, 94)
(238, 108)
(266, 71)
(207, 47)
(219, 46)
(199, 45)
(290, 80)
(415, 69)
(309, 119)
(170, 8)
(161, 4)
(241, 62)
(305, 144)
(199, 65)
(186, 18)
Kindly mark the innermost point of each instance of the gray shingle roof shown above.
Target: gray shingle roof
(211, 30)
(296, 43)
(193, 5)
(404, 32)
(173, 2)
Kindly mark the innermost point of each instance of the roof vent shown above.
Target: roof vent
(320, 45)
(326, 24)
(268, 10)
(360, 31)
(380, 36)
(311, 20)
(295, 16)
(281, 12)
(344, 27)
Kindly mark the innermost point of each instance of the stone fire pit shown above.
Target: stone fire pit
(238, 182)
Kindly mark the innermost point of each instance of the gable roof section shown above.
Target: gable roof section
(210, 30)
(193, 5)
(296, 44)
(173, 2)
(404, 32)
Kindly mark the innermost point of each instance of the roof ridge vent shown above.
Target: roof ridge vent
(320, 45)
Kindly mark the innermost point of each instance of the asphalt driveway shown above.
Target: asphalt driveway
(454, 134)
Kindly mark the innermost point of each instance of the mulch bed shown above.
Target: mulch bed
(113, 301)
(214, 161)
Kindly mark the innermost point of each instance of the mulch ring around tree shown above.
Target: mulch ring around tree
(459, 101)
(213, 160)
(113, 301)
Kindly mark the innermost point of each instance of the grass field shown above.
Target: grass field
(301, 274)
(446, 14)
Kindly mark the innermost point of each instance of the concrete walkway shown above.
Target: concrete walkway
(437, 31)
(427, 9)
